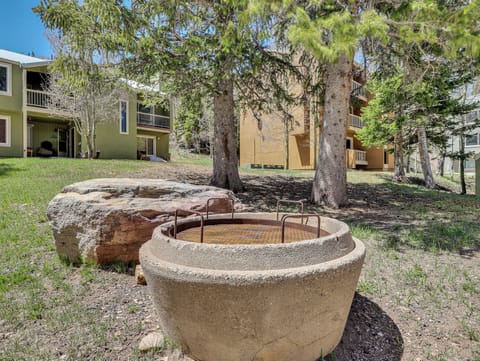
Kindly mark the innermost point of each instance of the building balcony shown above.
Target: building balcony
(355, 122)
(150, 120)
(37, 98)
(360, 157)
(356, 157)
(358, 91)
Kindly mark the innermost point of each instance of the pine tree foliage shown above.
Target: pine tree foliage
(212, 46)
(224, 45)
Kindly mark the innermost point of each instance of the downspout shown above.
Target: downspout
(24, 112)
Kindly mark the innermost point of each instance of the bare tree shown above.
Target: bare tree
(83, 90)
(96, 102)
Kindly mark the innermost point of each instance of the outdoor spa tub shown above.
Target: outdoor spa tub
(247, 288)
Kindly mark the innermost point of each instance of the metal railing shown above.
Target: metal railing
(358, 89)
(37, 98)
(356, 121)
(153, 120)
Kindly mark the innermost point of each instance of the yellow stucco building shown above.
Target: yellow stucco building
(269, 141)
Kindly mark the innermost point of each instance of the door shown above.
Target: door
(146, 146)
(62, 142)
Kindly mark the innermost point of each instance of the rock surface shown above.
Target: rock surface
(140, 276)
(107, 220)
(153, 340)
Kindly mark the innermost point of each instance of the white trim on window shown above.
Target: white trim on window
(123, 117)
(8, 91)
(7, 131)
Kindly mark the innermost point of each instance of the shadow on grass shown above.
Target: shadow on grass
(7, 168)
(400, 215)
(370, 335)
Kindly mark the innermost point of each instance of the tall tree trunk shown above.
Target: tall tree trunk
(461, 159)
(441, 163)
(225, 158)
(89, 135)
(398, 168)
(94, 130)
(424, 157)
(463, 185)
(408, 166)
(330, 182)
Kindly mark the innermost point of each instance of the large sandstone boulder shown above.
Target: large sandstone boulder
(107, 220)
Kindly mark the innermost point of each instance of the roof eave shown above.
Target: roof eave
(36, 64)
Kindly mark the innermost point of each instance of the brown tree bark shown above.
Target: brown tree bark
(463, 184)
(424, 157)
(398, 168)
(330, 181)
(462, 158)
(225, 158)
(441, 165)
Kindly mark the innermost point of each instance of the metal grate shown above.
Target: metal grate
(249, 233)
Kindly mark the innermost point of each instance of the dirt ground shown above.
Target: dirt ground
(391, 319)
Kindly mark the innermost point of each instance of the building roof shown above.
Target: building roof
(139, 87)
(24, 61)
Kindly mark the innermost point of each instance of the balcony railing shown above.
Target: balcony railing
(153, 120)
(356, 157)
(37, 98)
(356, 121)
(358, 90)
(360, 157)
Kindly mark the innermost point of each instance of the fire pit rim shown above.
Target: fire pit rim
(167, 227)
(223, 276)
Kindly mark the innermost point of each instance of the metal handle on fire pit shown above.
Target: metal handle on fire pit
(289, 201)
(286, 216)
(213, 198)
(191, 212)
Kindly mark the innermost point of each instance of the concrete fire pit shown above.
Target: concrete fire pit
(243, 295)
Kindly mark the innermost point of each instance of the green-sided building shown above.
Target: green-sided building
(26, 122)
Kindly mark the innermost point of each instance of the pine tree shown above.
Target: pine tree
(213, 47)
(334, 30)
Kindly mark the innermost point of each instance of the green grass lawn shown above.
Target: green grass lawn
(422, 263)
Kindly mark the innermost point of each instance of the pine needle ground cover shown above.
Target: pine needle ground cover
(418, 296)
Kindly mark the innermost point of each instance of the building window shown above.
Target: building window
(472, 116)
(123, 117)
(4, 131)
(470, 164)
(472, 140)
(5, 79)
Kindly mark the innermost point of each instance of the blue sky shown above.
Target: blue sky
(21, 30)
